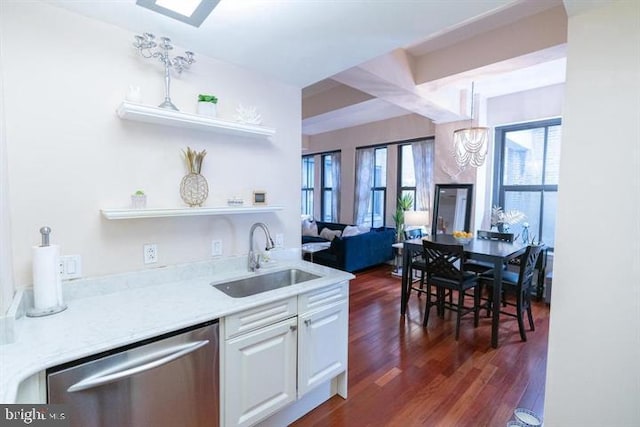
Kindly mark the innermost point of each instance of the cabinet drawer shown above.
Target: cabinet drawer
(321, 297)
(258, 317)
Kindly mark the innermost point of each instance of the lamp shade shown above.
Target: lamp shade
(416, 218)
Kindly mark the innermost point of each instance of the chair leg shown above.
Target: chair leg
(459, 313)
(519, 312)
(476, 306)
(530, 315)
(421, 282)
(443, 294)
(427, 306)
(489, 301)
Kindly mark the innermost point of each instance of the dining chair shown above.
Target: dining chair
(519, 284)
(417, 263)
(443, 271)
(494, 235)
(541, 267)
(479, 267)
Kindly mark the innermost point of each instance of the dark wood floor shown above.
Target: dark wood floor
(401, 374)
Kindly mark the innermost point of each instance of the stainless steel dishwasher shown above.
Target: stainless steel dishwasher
(171, 381)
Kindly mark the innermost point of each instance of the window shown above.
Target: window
(371, 186)
(330, 186)
(307, 185)
(406, 172)
(526, 179)
(415, 172)
(379, 189)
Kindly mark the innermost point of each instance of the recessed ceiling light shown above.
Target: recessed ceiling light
(192, 12)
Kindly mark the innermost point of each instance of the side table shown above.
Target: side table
(311, 248)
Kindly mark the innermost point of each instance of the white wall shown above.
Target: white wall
(535, 104)
(70, 155)
(593, 370)
(520, 107)
(391, 130)
(6, 264)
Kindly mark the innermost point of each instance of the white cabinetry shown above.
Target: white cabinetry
(322, 337)
(276, 353)
(260, 372)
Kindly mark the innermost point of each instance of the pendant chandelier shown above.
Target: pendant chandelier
(471, 144)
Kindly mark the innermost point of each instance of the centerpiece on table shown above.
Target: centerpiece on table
(194, 188)
(504, 219)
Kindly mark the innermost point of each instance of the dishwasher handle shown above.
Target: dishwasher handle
(176, 353)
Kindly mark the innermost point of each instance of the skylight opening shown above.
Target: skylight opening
(183, 7)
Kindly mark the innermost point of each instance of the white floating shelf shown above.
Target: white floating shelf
(161, 116)
(177, 212)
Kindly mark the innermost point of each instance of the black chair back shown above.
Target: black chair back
(528, 262)
(494, 235)
(443, 261)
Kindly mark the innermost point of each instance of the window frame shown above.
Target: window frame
(324, 188)
(400, 189)
(308, 190)
(500, 189)
(376, 189)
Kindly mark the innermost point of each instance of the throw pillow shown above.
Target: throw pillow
(364, 229)
(329, 234)
(309, 228)
(352, 230)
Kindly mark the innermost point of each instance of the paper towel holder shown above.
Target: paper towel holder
(61, 306)
(34, 312)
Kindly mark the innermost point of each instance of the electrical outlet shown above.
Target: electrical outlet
(150, 253)
(216, 248)
(70, 267)
(279, 240)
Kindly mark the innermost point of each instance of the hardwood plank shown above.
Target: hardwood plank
(401, 374)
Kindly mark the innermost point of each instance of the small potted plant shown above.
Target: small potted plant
(207, 105)
(139, 200)
(405, 202)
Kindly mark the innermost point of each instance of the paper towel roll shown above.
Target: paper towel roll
(47, 287)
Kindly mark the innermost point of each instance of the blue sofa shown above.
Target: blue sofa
(354, 253)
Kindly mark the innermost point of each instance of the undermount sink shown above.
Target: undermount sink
(264, 282)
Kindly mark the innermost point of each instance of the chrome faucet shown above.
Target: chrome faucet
(254, 259)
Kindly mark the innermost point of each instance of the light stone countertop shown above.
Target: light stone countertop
(111, 311)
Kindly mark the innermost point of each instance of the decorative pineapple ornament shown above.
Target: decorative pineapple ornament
(194, 188)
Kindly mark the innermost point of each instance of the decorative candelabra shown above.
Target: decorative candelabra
(145, 43)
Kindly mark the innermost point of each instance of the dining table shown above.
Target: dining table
(489, 251)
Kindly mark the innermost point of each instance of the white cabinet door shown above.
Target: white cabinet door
(260, 375)
(322, 345)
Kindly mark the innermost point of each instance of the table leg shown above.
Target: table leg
(406, 256)
(497, 294)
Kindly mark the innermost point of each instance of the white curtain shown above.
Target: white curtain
(364, 182)
(423, 165)
(335, 181)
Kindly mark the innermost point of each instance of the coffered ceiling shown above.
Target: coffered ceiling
(516, 49)
(388, 57)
